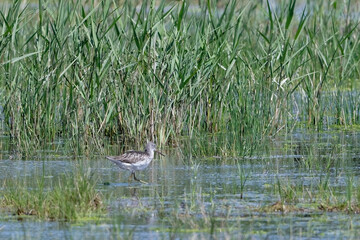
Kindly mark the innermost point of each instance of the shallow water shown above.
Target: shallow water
(200, 197)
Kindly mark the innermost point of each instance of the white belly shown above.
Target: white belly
(139, 166)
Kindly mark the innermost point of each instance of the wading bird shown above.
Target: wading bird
(135, 160)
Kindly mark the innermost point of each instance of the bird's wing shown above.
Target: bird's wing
(128, 157)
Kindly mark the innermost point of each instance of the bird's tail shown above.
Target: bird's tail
(113, 160)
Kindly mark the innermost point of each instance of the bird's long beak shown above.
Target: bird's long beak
(160, 153)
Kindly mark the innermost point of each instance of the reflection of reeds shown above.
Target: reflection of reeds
(165, 70)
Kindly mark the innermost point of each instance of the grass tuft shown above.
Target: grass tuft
(68, 198)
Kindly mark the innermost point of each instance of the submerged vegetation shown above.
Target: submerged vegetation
(85, 71)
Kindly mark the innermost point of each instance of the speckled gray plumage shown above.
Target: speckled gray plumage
(130, 157)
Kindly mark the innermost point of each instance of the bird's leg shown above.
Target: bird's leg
(130, 177)
(135, 178)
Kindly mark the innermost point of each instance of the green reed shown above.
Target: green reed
(84, 71)
(243, 177)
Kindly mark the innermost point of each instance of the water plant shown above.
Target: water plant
(163, 70)
(243, 176)
(69, 197)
